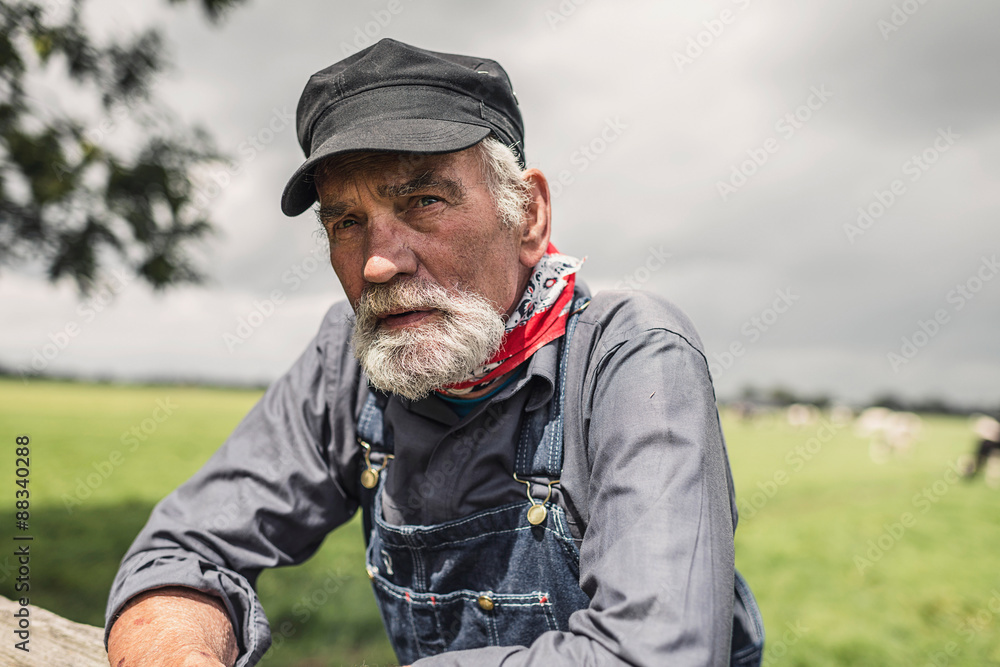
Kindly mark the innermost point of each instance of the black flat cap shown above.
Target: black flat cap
(395, 97)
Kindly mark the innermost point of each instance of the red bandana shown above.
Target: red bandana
(539, 318)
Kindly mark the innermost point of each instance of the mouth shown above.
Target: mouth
(403, 318)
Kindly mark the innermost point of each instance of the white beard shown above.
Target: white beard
(413, 361)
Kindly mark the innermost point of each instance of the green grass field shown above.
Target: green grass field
(853, 563)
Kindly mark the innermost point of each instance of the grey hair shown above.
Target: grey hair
(502, 174)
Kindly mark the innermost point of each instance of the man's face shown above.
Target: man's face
(425, 217)
(426, 263)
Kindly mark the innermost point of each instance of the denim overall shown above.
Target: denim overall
(493, 578)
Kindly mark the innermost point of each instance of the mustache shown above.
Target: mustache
(379, 299)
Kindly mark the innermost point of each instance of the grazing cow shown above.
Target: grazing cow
(799, 415)
(987, 455)
(889, 432)
(841, 415)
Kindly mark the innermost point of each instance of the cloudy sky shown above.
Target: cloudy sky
(815, 184)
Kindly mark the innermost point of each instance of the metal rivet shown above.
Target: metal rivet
(485, 603)
(536, 514)
(371, 572)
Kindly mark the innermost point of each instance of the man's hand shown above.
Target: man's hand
(173, 627)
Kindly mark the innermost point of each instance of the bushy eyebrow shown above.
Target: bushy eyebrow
(428, 180)
(333, 211)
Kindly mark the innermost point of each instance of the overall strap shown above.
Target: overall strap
(371, 433)
(370, 423)
(540, 450)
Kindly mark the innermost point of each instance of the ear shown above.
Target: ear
(537, 219)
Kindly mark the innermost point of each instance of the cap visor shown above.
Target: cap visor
(404, 135)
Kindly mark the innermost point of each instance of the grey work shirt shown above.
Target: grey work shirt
(646, 487)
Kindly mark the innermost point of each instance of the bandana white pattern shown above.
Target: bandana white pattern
(547, 281)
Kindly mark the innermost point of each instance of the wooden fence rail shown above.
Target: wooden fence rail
(53, 641)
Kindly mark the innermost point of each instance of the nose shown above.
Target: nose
(388, 254)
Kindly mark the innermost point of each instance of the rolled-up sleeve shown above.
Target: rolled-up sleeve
(657, 555)
(266, 498)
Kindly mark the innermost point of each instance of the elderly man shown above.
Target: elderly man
(541, 473)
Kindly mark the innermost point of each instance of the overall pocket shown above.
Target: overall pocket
(424, 624)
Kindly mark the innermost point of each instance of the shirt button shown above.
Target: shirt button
(485, 603)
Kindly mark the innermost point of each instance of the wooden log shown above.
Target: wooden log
(53, 640)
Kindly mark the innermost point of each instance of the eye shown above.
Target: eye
(426, 200)
(343, 229)
(342, 225)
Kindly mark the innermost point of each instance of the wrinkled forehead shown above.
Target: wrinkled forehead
(341, 173)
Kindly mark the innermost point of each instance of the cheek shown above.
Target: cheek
(487, 258)
(351, 277)
(491, 267)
